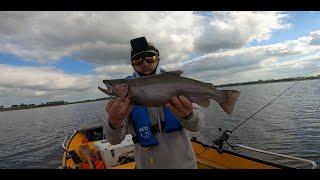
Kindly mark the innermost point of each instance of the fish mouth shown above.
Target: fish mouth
(116, 87)
(108, 83)
(107, 90)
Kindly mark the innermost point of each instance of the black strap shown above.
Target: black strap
(74, 156)
(154, 129)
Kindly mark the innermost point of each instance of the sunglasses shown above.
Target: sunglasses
(139, 61)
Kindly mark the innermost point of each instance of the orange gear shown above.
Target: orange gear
(85, 165)
(99, 164)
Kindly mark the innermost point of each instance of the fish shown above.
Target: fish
(158, 89)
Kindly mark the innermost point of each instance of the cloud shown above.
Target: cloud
(103, 37)
(28, 93)
(305, 66)
(98, 37)
(25, 84)
(42, 82)
(244, 64)
(5, 91)
(113, 71)
(42, 79)
(315, 38)
(307, 63)
(229, 30)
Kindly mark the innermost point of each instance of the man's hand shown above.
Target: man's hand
(181, 107)
(118, 110)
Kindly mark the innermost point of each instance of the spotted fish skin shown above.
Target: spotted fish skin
(157, 90)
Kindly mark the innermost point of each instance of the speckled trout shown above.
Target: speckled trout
(157, 90)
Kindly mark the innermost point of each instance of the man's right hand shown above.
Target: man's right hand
(118, 110)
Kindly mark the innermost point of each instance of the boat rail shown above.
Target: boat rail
(312, 163)
(64, 143)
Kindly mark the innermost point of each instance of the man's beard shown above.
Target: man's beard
(153, 72)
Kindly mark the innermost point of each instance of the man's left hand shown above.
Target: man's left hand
(181, 107)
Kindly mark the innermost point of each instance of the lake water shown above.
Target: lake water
(32, 138)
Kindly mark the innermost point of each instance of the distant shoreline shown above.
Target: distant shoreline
(222, 85)
(40, 106)
(269, 81)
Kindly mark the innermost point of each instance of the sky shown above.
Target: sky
(53, 56)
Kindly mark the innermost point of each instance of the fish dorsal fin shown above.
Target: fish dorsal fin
(176, 73)
(210, 85)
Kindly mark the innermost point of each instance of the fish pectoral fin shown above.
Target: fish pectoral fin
(203, 102)
(122, 89)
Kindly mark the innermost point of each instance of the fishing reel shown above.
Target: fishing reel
(219, 142)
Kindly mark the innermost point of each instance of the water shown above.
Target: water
(32, 138)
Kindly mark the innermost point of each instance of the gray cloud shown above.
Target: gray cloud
(103, 37)
(240, 65)
(40, 84)
(114, 72)
(229, 30)
(307, 62)
(315, 38)
(42, 79)
(35, 82)
(5, 91)
(99, 37)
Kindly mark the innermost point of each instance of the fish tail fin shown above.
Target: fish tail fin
(230, 100)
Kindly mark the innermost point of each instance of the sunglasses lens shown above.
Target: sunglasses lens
(151, 59)
(138, 62)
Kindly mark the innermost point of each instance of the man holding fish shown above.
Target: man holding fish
(157, 108)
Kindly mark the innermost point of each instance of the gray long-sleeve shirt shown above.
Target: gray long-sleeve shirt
(174, 149)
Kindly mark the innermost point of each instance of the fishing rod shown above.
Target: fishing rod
(226, 134)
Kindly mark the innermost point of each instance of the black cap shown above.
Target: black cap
(140, 46)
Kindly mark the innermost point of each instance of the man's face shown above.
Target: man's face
(145, 64)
